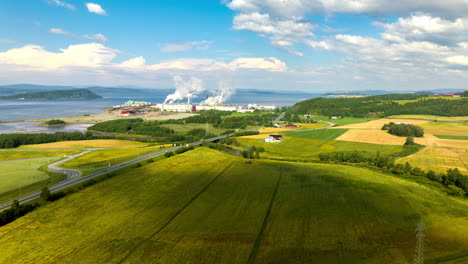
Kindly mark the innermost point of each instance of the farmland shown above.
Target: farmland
(102, 158)
(342, 121)
(439, 159)
(304, 148)
(325, 134)
(98, 143)
(207, 207)
(431, 117)
(452, 137)
(12, 154)
(20, 173)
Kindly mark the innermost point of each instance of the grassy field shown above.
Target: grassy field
(303, 148)
(310, 125)
(431, 117)
(12, 154)
(450, 126)
(207, 207)
(97, 143)
(343, 121)
(184, 128)
(102, 158)
(452, 137)
(20, 173)
(325, 134)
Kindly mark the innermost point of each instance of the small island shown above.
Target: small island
(53, 95)
(54, 122)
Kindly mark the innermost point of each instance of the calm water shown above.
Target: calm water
(19, 110)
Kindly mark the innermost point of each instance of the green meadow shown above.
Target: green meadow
(102, 158)
(324, 134)
(13, 154)
(342, 121)
(20, 173)
(205, 206)
(304, 148)
(452, 137)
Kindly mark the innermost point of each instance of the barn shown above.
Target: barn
(274, 138)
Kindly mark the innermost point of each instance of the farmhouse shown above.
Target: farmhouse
(274, 138)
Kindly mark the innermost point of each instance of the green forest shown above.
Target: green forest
(382, 105)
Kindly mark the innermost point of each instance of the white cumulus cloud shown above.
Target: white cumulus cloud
(96, 37)
(96, 8)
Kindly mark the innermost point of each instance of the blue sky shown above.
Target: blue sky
(309, 45)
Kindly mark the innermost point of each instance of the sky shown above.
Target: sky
(295, 45)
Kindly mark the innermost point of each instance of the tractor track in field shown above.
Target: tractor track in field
(258, 240)
(176, 214)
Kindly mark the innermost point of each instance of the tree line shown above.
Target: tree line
(382, 105)
(16, 140)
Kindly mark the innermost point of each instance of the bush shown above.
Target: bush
(168, 154)
(403, 130)
(55, 122)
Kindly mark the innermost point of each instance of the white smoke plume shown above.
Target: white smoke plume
(185, 88)
(220, 96)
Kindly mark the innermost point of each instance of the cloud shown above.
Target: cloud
(185, 46)
(95, 8)
(98, 56)
(61, 4)
(96, 37)
(425, 27)
(283, 33)
(34, 57)
(458, 60)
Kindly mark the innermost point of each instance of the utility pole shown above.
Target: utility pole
(419, 254)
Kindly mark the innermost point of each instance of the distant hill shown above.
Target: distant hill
(53, 95)
(383, 105)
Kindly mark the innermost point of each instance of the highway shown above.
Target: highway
(73, 175)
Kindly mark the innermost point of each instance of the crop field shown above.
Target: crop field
(310, 125)
(452, 137)
(102, 158)
(439, 159)
(325, 134)
(19, 173)
(378, 123)
(273, 130)
(342, 121)
(371, 136)
(450, 126)
(303, 148)
(204, 206)
(12, 154)
(97, 143)
(431, 117)
(184, 128)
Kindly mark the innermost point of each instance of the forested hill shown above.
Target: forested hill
(53, 95)
(384, 105)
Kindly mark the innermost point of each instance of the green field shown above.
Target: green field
(431, 117)
(325, 134)
(303, 148)
(102, 158)
(20, 173)
(207, 207)
(452, 137)
(184, 128)
(343, 121)
(10, 154)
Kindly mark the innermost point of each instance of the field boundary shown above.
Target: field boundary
(176, 214)
(266, 218)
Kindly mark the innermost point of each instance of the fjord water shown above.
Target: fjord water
(30, 109)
